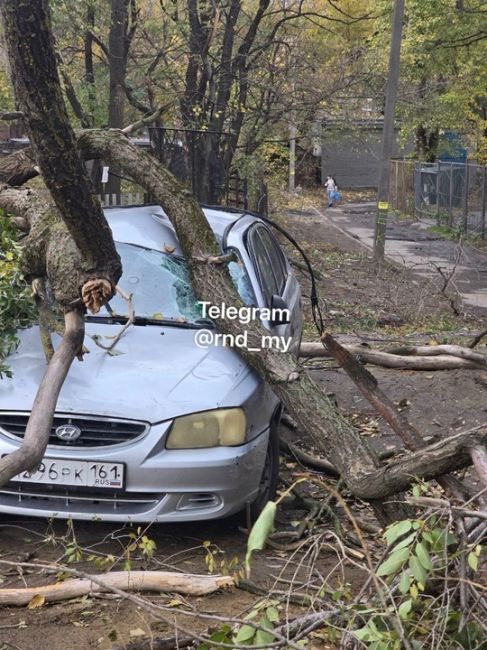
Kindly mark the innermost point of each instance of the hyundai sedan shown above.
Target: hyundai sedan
(161, 428)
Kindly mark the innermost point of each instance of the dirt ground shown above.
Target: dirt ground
(358, 305)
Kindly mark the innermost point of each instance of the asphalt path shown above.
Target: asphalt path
(413, 245)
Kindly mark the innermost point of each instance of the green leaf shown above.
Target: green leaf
(393, 563)
(405, 542)
(473, 561)
(423, 556)
(404, 582)
(260, 532)
(417, 570)
(245, 633)
(272, 614)
(362, 634)
(263, 638)
(396, 530)
(405, 608)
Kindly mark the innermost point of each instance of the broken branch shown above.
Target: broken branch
(397, 361)
(36, 437)
(171, 581)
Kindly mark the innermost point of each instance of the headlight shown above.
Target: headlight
(222, 427)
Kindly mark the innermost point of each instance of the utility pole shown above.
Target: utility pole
(292, 119)
(388, 133)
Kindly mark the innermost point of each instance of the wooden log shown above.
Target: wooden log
(170, 581)
(387, 360)
(443, 457)
(435, 350)
(397, 420)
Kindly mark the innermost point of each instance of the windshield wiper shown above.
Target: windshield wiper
(143, 320)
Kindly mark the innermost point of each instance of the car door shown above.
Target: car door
(276, 280)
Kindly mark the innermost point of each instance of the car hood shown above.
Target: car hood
(155, 373)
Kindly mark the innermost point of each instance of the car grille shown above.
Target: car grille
(95, 432)
(93, 502)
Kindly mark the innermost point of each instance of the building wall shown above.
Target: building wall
(352, 156)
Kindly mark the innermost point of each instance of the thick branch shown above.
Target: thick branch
(397, 361)
(171, 581)
(19, 167)
(36, 437)
(443, 457)
(397, 420)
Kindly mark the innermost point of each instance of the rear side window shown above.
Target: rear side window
(276, 258)
(268, 261)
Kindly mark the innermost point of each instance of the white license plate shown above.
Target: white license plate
(82, 473)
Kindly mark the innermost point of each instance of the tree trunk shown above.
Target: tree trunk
(68, 241)
(89, 67)
(117, 59)
(38, 96)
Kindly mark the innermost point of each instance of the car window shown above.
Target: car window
(275, 256)
(263, 266)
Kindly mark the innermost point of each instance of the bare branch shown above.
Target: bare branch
(11, 115)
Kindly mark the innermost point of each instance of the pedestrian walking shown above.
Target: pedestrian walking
(330, 187)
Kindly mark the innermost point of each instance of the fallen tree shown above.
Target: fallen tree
(69, 244)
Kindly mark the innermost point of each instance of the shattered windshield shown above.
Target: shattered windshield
(160, 287)
(159, 284)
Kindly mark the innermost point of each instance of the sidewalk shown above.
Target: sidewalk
(411, 244)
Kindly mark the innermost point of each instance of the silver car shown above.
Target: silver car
(163, 428)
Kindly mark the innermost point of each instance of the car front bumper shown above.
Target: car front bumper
(161, 485)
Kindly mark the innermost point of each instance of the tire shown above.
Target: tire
(270, 474)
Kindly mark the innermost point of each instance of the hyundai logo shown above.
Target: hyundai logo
(68, 432)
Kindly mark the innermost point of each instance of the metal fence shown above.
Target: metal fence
(448, 194)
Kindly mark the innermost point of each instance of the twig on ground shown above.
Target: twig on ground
(158, 643)
(477, 339)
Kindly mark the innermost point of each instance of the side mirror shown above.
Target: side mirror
(280, 312)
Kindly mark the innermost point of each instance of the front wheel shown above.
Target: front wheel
(270, 474)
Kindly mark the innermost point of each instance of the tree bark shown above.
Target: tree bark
(18, 168)
(117, 62)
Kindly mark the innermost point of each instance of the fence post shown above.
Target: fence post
(395, 163)
(438, 176)
(450, 203)
(465, 201)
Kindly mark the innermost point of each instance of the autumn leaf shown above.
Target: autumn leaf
(36, 601)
